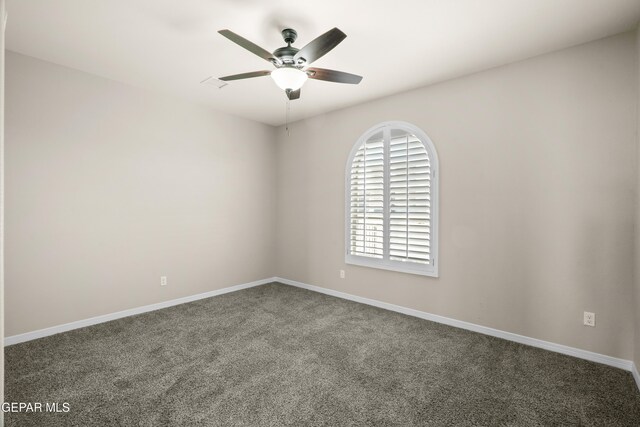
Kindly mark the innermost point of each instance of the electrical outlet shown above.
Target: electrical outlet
(342, 274)
(163, 280)
(589, 319)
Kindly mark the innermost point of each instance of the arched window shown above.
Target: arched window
(392, 200)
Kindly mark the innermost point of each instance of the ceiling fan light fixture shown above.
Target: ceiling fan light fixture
(289, 78)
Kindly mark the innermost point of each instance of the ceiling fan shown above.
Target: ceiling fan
(292, 65)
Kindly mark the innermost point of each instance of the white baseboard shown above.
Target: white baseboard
(636, 375)
(558, 348)
(28, 336)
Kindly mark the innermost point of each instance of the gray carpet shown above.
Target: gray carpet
(278, 355)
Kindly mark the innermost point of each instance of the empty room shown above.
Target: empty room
(246, 213)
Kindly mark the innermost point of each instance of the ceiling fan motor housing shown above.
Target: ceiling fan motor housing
(285, 54)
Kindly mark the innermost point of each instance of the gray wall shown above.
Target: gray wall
(109, 187)
(538, 181)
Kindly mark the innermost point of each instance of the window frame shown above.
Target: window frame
(385, 263)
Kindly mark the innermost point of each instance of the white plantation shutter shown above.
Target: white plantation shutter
(367, 199)
(391, 200)
(409, 200)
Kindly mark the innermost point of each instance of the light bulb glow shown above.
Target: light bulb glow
(289, 78)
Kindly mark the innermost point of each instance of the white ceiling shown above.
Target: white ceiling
(172, 45)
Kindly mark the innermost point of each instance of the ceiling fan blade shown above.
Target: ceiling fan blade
(333, 76)
(245, 75)
(320, 46)
(293, 94)
(250, 46)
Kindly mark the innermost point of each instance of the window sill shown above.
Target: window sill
(426, 270)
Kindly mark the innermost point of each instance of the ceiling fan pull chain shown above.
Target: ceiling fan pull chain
(286, 119)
